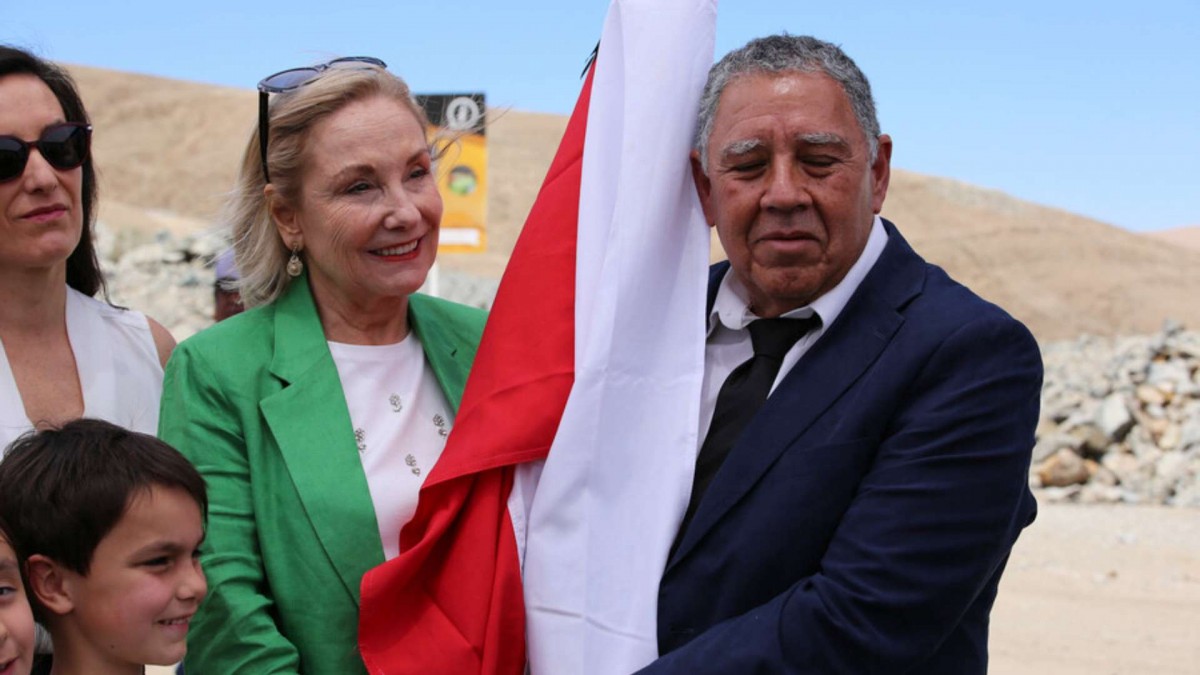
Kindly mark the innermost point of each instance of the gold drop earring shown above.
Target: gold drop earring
(294, 265)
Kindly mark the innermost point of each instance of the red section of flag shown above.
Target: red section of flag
(452, 601)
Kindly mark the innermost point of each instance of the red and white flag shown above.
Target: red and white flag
(617, 481)
(591, 360)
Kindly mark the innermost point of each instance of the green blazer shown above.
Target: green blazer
(256, 404)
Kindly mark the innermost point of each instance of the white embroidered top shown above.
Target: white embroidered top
(118, 368)
(401, 420)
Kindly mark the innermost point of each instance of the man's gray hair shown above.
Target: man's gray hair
(788, 53)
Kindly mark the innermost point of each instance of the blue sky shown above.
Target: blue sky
(1092, 107)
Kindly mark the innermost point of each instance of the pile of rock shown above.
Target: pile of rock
(1121, 420)
(169, 277)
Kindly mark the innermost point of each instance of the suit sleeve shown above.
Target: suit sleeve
(932, 522)
(234, 631)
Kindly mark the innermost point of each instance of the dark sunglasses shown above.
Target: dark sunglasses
(290, 80)
(64, 146)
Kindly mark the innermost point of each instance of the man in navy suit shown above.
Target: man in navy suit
(858, 519)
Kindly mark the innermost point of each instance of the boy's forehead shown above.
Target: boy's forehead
(160, 515)
(147, 495)
(9, 567)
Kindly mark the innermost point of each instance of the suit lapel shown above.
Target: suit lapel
(312, 427)
(847, 349)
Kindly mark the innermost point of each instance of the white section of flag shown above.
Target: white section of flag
(618, 477)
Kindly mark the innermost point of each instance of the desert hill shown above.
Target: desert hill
(168, 150)
(1060, 273)
(1186, 237)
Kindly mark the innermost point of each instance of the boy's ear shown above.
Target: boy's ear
(48, 581)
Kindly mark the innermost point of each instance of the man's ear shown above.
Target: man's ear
(48, 581)
(703, 187)
(285, 217)
(881, 172)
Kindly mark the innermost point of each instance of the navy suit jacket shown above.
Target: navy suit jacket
(862, 521)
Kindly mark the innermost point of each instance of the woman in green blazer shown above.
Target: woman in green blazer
(314, 415)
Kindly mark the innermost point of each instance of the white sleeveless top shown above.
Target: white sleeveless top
(118, 367)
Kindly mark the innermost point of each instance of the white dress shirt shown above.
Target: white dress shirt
(729, 343)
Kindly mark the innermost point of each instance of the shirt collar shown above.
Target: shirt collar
(731, 308)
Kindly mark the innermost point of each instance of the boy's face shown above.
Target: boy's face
(16, 619)
(145, 582)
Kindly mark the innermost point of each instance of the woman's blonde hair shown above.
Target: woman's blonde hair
(259, 252)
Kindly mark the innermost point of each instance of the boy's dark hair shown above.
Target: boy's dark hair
(62, 490)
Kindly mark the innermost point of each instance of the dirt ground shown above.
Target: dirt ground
(1101, 590)
(1097, 590)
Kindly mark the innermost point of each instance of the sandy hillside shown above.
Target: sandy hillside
(1184, 237)
(168, 151)
(1060, 273)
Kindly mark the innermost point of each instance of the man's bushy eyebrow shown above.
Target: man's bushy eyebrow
(741, 147)
(822, 138)
(748, 145)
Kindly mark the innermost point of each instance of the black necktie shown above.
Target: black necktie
(742, 394)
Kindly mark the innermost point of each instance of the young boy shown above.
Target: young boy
(16, 620)
(107, 523)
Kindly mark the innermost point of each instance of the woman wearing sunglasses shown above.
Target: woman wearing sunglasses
(63, 353)
(316, 414)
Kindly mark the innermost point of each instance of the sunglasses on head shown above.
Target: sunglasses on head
(64, 146)
(290, 80)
